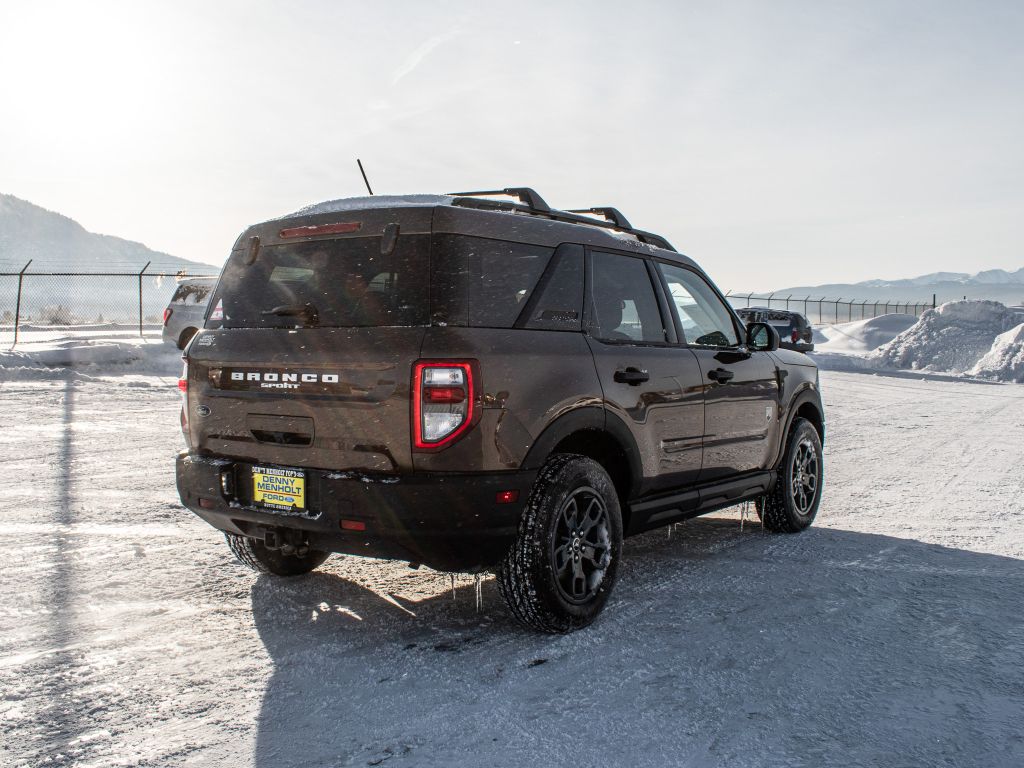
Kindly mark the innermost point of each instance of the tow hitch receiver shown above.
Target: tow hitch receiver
(289, 541)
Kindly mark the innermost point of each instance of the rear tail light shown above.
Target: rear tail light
(183, 388)
(794, 336)
(167, 314)
(442, 402)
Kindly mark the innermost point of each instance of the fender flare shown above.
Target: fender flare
(579, 420)
(807, 394)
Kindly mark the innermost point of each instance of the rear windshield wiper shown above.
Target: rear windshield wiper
(305, 312)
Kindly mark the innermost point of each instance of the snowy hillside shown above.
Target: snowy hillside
(56, 243)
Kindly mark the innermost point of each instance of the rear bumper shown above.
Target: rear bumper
(446, 521)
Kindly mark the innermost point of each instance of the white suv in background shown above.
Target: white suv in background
(186, 310)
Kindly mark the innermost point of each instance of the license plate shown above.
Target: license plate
(283, 489)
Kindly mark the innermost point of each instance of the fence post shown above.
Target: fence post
(770, 299)
(837, 309)
(17, 305)
(787, 301)
(820, 321)
(805, 306)
(863, 309)
(933, 301)
(140, 295)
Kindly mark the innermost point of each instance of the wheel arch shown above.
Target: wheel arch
(807, 405)
(598, 435)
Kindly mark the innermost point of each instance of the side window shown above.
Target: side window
(624, 306)
(482, 283)
(557, 302)
(706, 321)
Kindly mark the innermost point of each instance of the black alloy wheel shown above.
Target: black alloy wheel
(581, 546)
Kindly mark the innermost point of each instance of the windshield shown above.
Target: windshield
(338, 283)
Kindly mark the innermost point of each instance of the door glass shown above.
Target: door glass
(706, 320)
(624, 306)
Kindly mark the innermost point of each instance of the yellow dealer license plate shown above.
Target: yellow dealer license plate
(283, 489)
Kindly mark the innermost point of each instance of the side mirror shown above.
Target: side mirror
(762, 337)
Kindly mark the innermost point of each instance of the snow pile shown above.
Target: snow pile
(953, 337)
(862, 335)
(89, 356)
(1005, 360)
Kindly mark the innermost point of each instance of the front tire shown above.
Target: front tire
(560, 571)
(793, 503)
(255, 555)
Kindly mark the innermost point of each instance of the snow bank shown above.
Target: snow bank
(1005, 360)
(953, 337)
(81, 356)
(862, 335)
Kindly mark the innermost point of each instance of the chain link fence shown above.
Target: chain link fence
(132, 302)
(823, 310)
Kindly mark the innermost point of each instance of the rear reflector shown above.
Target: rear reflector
(353, 525)
(321, 229)
(507, 497)
(444, 394)
(207, 503)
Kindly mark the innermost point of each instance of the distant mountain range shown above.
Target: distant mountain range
(56, 243)
(997, 284)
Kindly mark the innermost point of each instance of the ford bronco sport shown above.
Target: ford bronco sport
(478, 384)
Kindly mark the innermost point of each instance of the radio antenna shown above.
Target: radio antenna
(365, 180)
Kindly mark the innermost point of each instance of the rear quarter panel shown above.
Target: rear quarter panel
(527, 379)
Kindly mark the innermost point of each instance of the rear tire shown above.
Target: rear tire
(562, 567)
(186, 337)
(793, 503)
(255, 554)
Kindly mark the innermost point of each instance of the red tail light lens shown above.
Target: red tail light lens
(442, 402)
(794, 336)
(183, 388)
(167, 314)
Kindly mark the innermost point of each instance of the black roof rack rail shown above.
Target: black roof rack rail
(613, 215)
(532, 203)
(525, 195)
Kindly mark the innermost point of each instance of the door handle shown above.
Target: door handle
(721, 375)
(632, 376)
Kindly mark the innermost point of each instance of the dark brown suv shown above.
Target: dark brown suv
(476, 384)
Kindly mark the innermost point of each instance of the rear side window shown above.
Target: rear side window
(624, 306)
(557, 302)
(346, 281)
(482, 283)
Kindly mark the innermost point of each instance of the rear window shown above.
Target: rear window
(347, 281)
(482, 283)
(191, 293)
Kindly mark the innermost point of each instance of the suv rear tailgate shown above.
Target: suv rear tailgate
(328, 398)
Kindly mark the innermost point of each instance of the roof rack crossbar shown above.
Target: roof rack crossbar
(532, 203)
(524, 194)
(613, 215)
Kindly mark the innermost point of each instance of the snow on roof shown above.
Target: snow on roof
(371, 202)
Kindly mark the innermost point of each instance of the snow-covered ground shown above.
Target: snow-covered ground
(890, 633)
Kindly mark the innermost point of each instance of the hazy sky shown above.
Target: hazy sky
(778, 143)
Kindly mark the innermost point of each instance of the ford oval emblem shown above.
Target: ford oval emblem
(203, 410)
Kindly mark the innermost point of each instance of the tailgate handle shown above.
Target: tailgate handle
(280, 430)
(282, 438)
(632, 376)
